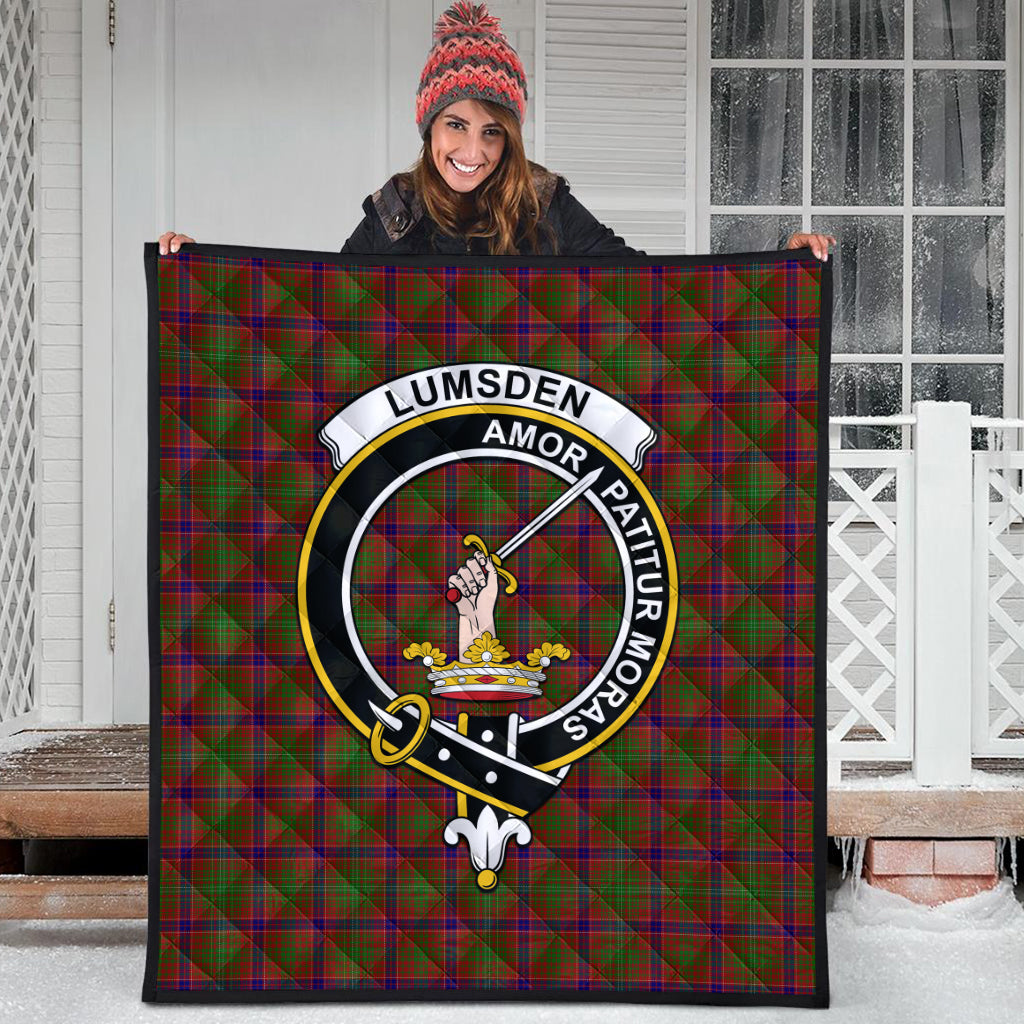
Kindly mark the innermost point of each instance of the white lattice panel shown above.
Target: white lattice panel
(870, 625)
(998, 670)
(18, 369)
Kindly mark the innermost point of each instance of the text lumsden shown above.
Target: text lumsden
(492, 383)
(480, 385)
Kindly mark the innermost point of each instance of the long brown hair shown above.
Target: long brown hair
(504, 204)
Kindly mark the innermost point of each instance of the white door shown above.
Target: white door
(247, 122)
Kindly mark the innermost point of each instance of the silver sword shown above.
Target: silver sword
(581, 485)
(535, 524)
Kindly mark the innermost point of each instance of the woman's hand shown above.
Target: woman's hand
(170, 240)
(818, 243)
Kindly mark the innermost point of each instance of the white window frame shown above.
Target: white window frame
(700, 185)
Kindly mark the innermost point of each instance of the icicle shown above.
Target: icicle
(1007, 843)
(859, 846)
(843, 842)
(851, 851)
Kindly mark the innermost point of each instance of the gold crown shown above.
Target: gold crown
(484, 675)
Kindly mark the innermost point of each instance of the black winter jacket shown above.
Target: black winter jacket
(395, 222)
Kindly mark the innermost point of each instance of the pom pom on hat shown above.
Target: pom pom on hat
(461, 14)
(470, 59)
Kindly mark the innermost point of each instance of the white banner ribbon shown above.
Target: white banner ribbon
(477, 385)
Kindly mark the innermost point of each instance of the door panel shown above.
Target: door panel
(247, 122)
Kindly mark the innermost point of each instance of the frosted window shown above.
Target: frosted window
(958, 284)
(858, 29)
(957, 141)
(959, 29)
(757, 28)
(857, 149)
(867, 307)
(981, 384)
(959, 138)
(751, 232)
(756, 136)
(865, 389)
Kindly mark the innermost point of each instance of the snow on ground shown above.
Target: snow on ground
(890, 960)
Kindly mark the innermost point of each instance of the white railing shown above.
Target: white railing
(998, 595)
(926, 596)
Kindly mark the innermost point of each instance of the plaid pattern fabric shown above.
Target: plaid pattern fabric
(683, 858)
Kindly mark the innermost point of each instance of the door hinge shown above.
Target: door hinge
(111, 623)
(111, 20)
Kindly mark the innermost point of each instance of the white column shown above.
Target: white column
(942, 593)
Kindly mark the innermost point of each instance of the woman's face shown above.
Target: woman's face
(466, 144)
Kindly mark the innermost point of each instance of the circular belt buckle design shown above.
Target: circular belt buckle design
(403, 753)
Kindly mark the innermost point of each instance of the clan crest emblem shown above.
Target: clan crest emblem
(501, 767)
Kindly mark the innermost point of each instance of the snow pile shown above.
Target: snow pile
(892, 959)
(992, 909)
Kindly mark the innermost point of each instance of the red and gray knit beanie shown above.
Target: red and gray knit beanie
(470, 59)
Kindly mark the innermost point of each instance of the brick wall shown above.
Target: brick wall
(60, 335)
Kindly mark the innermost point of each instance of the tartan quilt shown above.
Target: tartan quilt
(487, 610)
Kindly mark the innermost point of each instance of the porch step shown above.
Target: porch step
(93, 783)
(73, 814)
(76, 757)
(75, 783)
(25, 897)
(884, 801)
(72, 783)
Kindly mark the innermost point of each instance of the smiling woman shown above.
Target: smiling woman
(473, 190)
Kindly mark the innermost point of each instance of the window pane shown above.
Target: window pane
(751, 232)
(959, 30)
(756, 136)
(866, 436)
(867, 308)
(959, 138)
(857, 151)
(858, 29)
(958, 284)
(865, 389)
(757, 28)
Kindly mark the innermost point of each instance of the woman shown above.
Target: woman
(472, 189)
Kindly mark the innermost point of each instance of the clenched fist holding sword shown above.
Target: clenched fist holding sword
(473, 588)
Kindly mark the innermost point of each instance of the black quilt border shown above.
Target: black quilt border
(151, 993)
